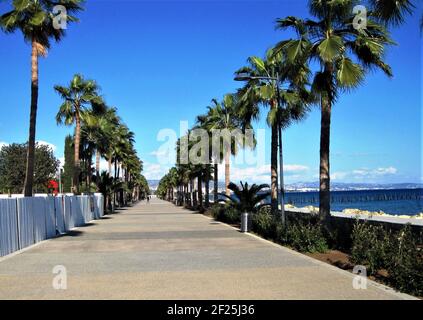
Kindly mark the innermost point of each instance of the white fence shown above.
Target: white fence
(25, 221)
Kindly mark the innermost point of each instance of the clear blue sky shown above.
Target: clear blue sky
(161, 62)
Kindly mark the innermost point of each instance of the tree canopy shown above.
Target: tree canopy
(12, 167)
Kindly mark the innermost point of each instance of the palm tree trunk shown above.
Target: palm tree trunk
(227, 171)
(274, 170)
(97, 163)
(281, 199)
(216, 182)
(110, 166)
(207, 185)
(192, 193)
(77, 145)
(324, 194)
(90, 155)
(114, 191)
(200, 193)
(30, 158)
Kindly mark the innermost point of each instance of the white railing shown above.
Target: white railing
(26, 221)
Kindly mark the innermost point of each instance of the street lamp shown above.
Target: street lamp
(247, 77)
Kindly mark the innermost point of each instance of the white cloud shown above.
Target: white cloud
(154, 171)
(159, 153)
(62, 161)
(295, 168)
(366, 174)
(45, 143)
(261, 174)
(338, 175)
(3, 144)
(40, 142)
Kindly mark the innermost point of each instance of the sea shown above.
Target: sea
(392, 201)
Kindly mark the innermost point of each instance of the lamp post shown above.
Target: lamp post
(246, 77)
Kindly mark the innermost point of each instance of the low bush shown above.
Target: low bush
(306, 238)
(370, 246)
(225, 213)
(264, 224)
(301, 235)
(405, 263)
(396, 252)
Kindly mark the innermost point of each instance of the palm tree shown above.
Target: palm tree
(204, 123)
(105, 187)
(274, 82)
(121, 149)
(391, 12)
(224, 116)
(95, 133)
(246, 198)
(344, 55)
(77, 96)
(35, 20)
(101, 120)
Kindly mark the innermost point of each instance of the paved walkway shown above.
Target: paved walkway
(158, 251)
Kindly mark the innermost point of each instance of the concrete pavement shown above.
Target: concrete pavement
(159, 251)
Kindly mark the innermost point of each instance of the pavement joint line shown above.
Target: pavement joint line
(319, 263)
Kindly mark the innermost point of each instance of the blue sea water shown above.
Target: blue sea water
(392, 201)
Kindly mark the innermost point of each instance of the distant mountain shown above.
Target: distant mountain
(338, 186)
(153, 184)
(335, 186)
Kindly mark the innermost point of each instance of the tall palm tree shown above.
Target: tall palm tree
(204, 123)
(224, 116)
(35, 20)
(96, 133)
(344, 54)
(77, 97)
(274, 82)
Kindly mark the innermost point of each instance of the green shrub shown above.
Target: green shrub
(215, 210)
(225, 213)
(231, 215)
(370, 245)
(405, 263)
(397, 252)
(280, 233)
(306, 238)
(264, 224)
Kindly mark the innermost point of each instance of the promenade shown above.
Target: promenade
(159, 251)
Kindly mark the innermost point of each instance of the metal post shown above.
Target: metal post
(281, 179)
(282, 186)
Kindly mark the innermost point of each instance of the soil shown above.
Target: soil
(342, 260)
(334, 257)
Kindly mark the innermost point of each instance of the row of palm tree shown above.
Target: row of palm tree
(35, 20)
(98, 128)
(329, 56)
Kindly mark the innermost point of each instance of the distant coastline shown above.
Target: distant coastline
(335, 186)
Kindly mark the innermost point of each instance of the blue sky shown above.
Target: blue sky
(162, 62)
